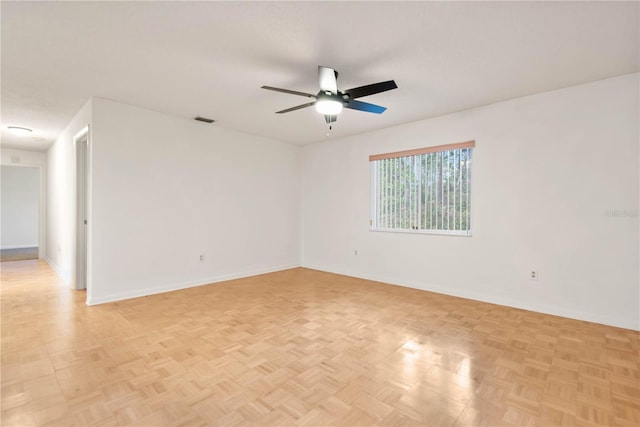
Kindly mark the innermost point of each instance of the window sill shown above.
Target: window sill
(453, 233)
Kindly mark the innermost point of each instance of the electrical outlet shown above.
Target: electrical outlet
(533, 275)
(201, 257)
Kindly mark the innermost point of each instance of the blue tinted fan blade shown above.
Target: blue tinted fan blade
(364, 106)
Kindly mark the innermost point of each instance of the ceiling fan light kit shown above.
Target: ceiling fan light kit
(330, 101)
(328, 106)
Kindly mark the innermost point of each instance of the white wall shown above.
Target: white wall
(10, 156)
(36, 160)
(20, 206)
(61, 199)
(166, 189)
(555, 189)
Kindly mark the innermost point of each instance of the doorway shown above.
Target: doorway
(82, 177)
(20, 212)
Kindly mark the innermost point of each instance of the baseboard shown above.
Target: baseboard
(185, 285)
(66, 278)
(35, 245)
(618, 322)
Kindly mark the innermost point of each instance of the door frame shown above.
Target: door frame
(81, 272)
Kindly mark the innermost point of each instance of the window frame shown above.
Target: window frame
(374, 183)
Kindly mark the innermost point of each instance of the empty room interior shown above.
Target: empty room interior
(320, 213)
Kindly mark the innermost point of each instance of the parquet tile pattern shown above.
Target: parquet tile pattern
(303, 348)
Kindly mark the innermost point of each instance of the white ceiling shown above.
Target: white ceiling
(210, 58)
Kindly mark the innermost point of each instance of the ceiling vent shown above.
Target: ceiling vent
(204, 119)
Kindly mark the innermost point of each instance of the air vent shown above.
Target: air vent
(204, 119)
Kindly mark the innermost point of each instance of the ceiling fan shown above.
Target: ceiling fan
(330, 101)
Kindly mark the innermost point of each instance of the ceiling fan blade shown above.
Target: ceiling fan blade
(298, 107)
(358, 92)
(327, 78)
(364, 106)
(292, 92)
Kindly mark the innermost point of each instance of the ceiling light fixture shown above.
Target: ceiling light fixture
(17, 130)
(328, 106)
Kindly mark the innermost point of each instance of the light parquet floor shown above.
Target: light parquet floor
(303, 348)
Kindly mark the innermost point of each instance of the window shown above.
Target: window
(427, 190)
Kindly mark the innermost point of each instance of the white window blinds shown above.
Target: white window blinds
(424, 190)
